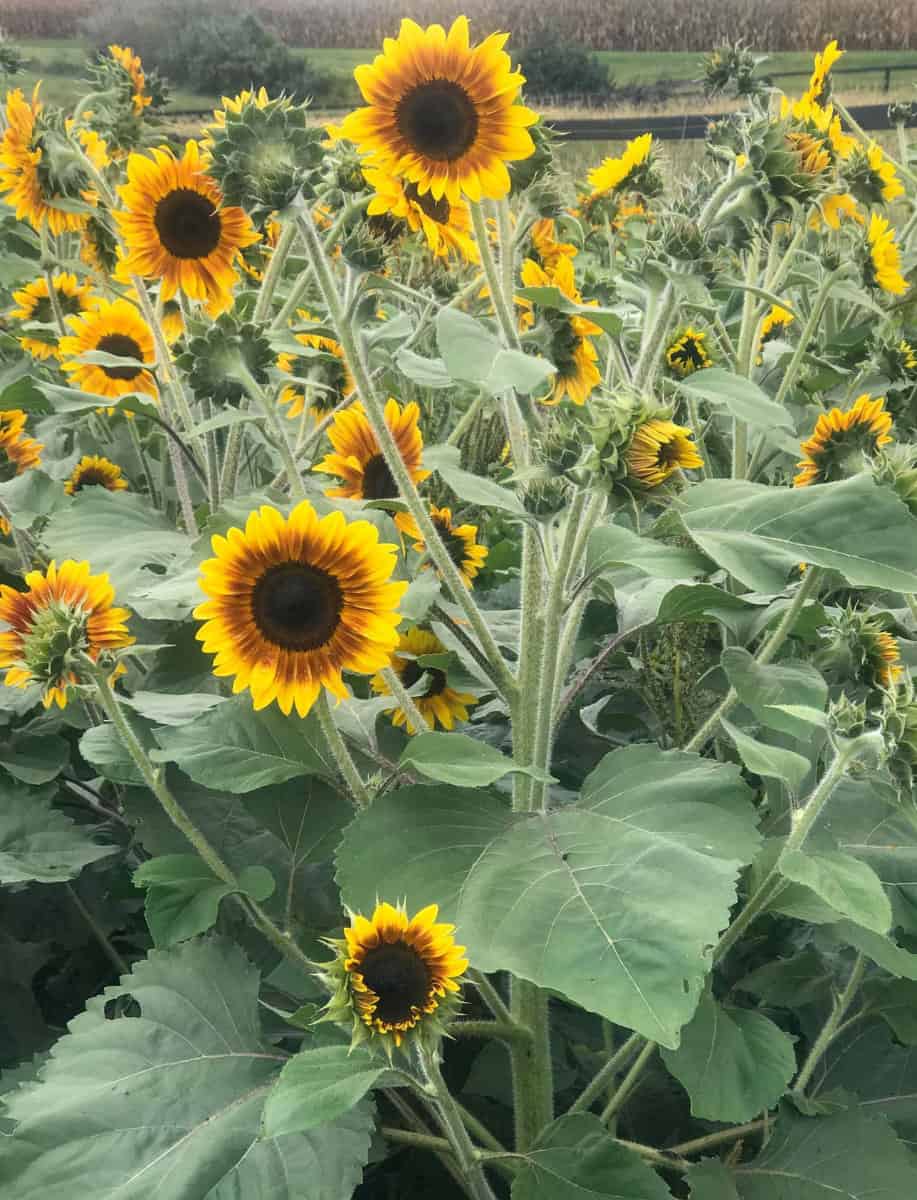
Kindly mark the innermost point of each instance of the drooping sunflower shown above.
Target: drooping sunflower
(20, 452)
(65, 613)
(126, 58)
(396, 976)
(172, 321)
(439, 702)
(461, 541)
(114, 327)
(294, 602)
(883, 658)
(883, 266)
(688, 352)
(816, 125)
(658, 449)
(445, 224)
(357, 459)
(818, 81)
(570, 350)
(832, 209)
(774, 325)
(441, 113)
(332, 375)
(871, 177)
(94, 471)
(840, 439)
(33, 303)
(546, 249)
(177, 228)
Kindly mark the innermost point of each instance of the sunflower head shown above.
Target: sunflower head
(659, 449)
(841, 439)
(819, 88)
(855, 645)
(446, 226)
(33, 305)
(213, 356)
(567, 335)
(18, 452)
(882, 258)
(117, 330)
(357, 458)
(688, 352)
(631, 172)
(99, 246)
(395, 977)
(323, 365)
(794, 156)
(461, 541)
(832, 210)
(441, 113)
(544, 248)
(94, 471)
(131, 77)
(775, 326)
(421, 660)
(870, 177)
(65, 614)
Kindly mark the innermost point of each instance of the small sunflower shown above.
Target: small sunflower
(441, 113)
(658, 449)
(833, 209)
(883, 267)
(130, 62)
(333, 374)
(94, 471)
(445, 224)
(822, 125)
(294, 602)
(65, 613)
(33, 303)
(907, 356)
(396, 976)
(546, 250)
(871, 177)
(570, 350)
(172, 321)
(177, 228)
(840, 439)
(818, 82)
(688, 353)
(883, 658)
(622, 174)
(461, 541)
(775, 325)
(439, 703)
(20, 453)
(357, 459)
(117, 328)
(236, 106)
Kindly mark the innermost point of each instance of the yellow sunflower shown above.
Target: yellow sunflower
(908, 355)
(235, 105)
(617, 174)
(570, 350)
(334, 376)
(177, 229)
(117, 328)
(294, 602)
(172, 321)
(822, 126)
(95, 471)
(840, 439)
(396, 971)
(821, 68)
(357, 459)
(833, 209)
(546, 250)
(439, 702)
(33, 303)
(872, 177)
(126, 58)
(441, 113)
(461, 541)
(774, 325)
(688, 352)
(20, 453)
(883, 658)
(445, 224)
(66, 613)
(884, 265)
(658, 449)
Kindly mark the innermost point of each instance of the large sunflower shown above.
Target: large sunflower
(94, 471)
(658, 449)
(570, 350)
(445, 224)
(883, 266)
(20, 453)
(840, 439)
(439, 702)
(357, 459)
(688, 352)
(441, 113)
(294, 602)
(394, 972)
(177, 229)
(33, 303)
(461, 541)
(66, 613)
(117, 328)
(332, 375)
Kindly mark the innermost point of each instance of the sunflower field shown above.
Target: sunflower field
(458, 627)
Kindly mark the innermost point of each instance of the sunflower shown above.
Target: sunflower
(94, 471)
(335, 377)
(883, 658)
(907, 355)
(461, 541)
(34, 304)
(774, 325)
(658, 449)
(117, 328)
(66, 613)
(833, 209)
(439, 702)
(883, 267)
(824, 61)
(177, 229)
(823, 126)
(235, 105)
(871, 177)
(172, 321)
(393, 973)
(445, 224)
(20, 453)
(294, 602)
(126, 58)
(621, 174)
(357, 459)
(570, 350)
(546, 250)
(688, 352)
(840, 439)
(441, 113)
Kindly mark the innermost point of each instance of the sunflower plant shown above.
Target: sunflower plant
(457, 625)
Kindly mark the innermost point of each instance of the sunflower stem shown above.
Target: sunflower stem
(808, 331)
(490, 995)
(844, 113)
(533, 1074)
(257, 393)
(341, 754)
(450, 1119)
(354, 357)
(831, 1027)
(274, 272)
(606, 1074)
(654, 336)
(502, 302)
(47, 267)
(416, 721)
(531, 636)
(143, 460)
(744, 355)
(489, 1029)
(627, 1084)
(98, 932)
(466, 420)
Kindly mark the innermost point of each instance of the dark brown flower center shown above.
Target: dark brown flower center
(297, 606)
(689, 353)
(378, 483)
(121, 346)
(456, 545)
(399, 977)
(91, 477)
(668, 454)
(385, 227)
(438, 119)
(413, 671)
(436, 210)
(188, 224)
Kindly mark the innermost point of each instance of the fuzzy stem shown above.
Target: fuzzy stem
(606, 1074)
(257, 393)
(416, 722)
(466, 420)
(274, 272)
(489, 1029)
(628, 1083)
(490, 996)
(832, 1025)
(98, 932)
(818, 305)
(495, 284)
(744, 355)
(533, 1076)
(143, 460)
(450, 1119)
(711, 1140)
(25, 547)
(340, 753)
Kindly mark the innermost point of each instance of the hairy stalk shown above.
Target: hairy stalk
(274, 272)
(415, 718)
(533, 1076)
(490, 995)
(269, 408)
(144, 462)
(832, 1025)
(495, 282)
(440, 1147)
(628, 1083)
(808, 331)
(467, 419)
(722, 1136)
(490, 1029)
(744, 354)
(606, 1074)
(531, 636)
(340, 753)
(450, 1119)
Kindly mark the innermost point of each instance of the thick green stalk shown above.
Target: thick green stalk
(744, 355)
(832, 1025)
(533, 1075)
(628, 1083)
(415, 718)
(98, 932)
(274, 272)
(450, 1119)
(340, 753)
(531, 637)
(495, 283)
(606, 1075)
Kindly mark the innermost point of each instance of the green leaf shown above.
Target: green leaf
(318, 1085)
(39, 843)
(34, 759)
(740, 397)
(468, 347)
(472, 489)
(554, 298)
(849, 886)
(767, 690)
(513, 369)
(773, 762)
(307, 816)
(732, 1062)
(761, 534)
(31, 495)
(461, 760)
(428, 372)
(169, 1103)
(103, 749)
(236, 748)
(613, 545)
(164, 708)
(576, 1158)
(895, 1001)
(882, 950)
(711, 1179)
(183, 895)
(881, 1073)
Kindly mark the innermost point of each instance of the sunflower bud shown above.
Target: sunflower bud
(545, 495)
(213, 356)
(363, 247)
(731, 64)
(897, 465)
(682, 238)
(561, 446)
(856, 649)
(902, 112)
(846, 717)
